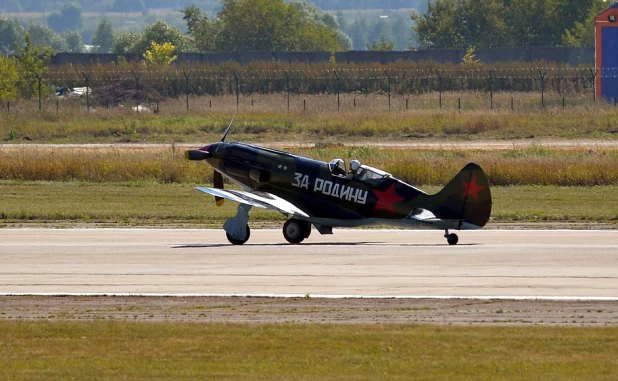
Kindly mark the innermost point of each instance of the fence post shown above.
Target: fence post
(137, 78)
(287, 87)
(338, 79)
(87, 79)
(187, 75)
(491, 89)
(542, 74)
(39, 78)
(593, 78)
(388, 76)
(440, 73)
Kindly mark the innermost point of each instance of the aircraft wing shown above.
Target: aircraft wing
(260, 199)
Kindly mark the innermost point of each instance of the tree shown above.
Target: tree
(382, 45)
(161, 32)
(32, 64)
(160, 54)
(104, 37)
(126, 42)
(73, 41)
(69, 18)
(249, 25)
(582, 33)
(9, 78)
(11, 33)
(45, 37)
(487, 23)
(435, 29)
(200, 29)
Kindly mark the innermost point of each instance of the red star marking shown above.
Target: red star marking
(472, 188)
(386, 199)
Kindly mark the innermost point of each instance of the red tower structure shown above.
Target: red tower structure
(606, 53)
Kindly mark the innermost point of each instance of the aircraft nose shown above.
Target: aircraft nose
(198, 154)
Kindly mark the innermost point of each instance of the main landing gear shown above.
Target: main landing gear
(295, 230)
(452, 238)
(237, 228)
(238, 232)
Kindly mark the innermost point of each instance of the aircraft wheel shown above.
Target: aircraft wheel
(307, 229)
(452, 239)
(235, 241)
(294, 231)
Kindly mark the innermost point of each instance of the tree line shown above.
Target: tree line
(462, 24)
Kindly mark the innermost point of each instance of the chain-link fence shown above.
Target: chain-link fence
(396, 88)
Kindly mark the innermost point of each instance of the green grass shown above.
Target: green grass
(143, 203)
(119, 350)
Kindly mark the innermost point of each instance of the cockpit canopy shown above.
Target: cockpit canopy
(366, 172)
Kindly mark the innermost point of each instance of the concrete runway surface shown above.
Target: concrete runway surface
(370, 263)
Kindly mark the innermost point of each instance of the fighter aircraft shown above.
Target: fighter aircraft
(326, 195)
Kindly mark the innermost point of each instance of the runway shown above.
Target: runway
(553, 264)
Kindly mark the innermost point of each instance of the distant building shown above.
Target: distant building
(606, 53)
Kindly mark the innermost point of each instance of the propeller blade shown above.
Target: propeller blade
(196, 154)
(229, 126)
(217, 180)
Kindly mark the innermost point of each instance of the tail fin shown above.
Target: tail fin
(466, 197)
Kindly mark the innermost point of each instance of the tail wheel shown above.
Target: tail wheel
(452, 239)
(235, 241)
(295, 231)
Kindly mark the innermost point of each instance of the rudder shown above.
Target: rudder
(466, 197)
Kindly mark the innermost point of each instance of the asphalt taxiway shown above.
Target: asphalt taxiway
(554, 264)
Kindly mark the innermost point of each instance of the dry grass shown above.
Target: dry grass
(516, 166)
(114, 350)
(315, 117)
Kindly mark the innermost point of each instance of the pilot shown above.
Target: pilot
(355, 166)
(337, 167)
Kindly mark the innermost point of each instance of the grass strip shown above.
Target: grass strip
(147, 203)
(316, 118)
(534, 165)
(112, 350)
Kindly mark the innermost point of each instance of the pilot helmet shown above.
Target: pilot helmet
(355, 165)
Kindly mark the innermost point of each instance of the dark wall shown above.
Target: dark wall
(573, 56)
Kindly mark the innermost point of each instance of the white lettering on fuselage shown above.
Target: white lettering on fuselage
(334, 189)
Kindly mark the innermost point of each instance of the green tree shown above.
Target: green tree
(381, 45)
(126, 42)
(436, 28)
(32, 65)
(161, 32)
(69, 18)
(582, 33)
(104, 37)
(9, 78)
(201, 29)
(11, 33)
(44, 37)
(246, 25)
(73, 41)
(160, 54)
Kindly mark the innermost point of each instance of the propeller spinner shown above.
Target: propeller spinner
(203, 154)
